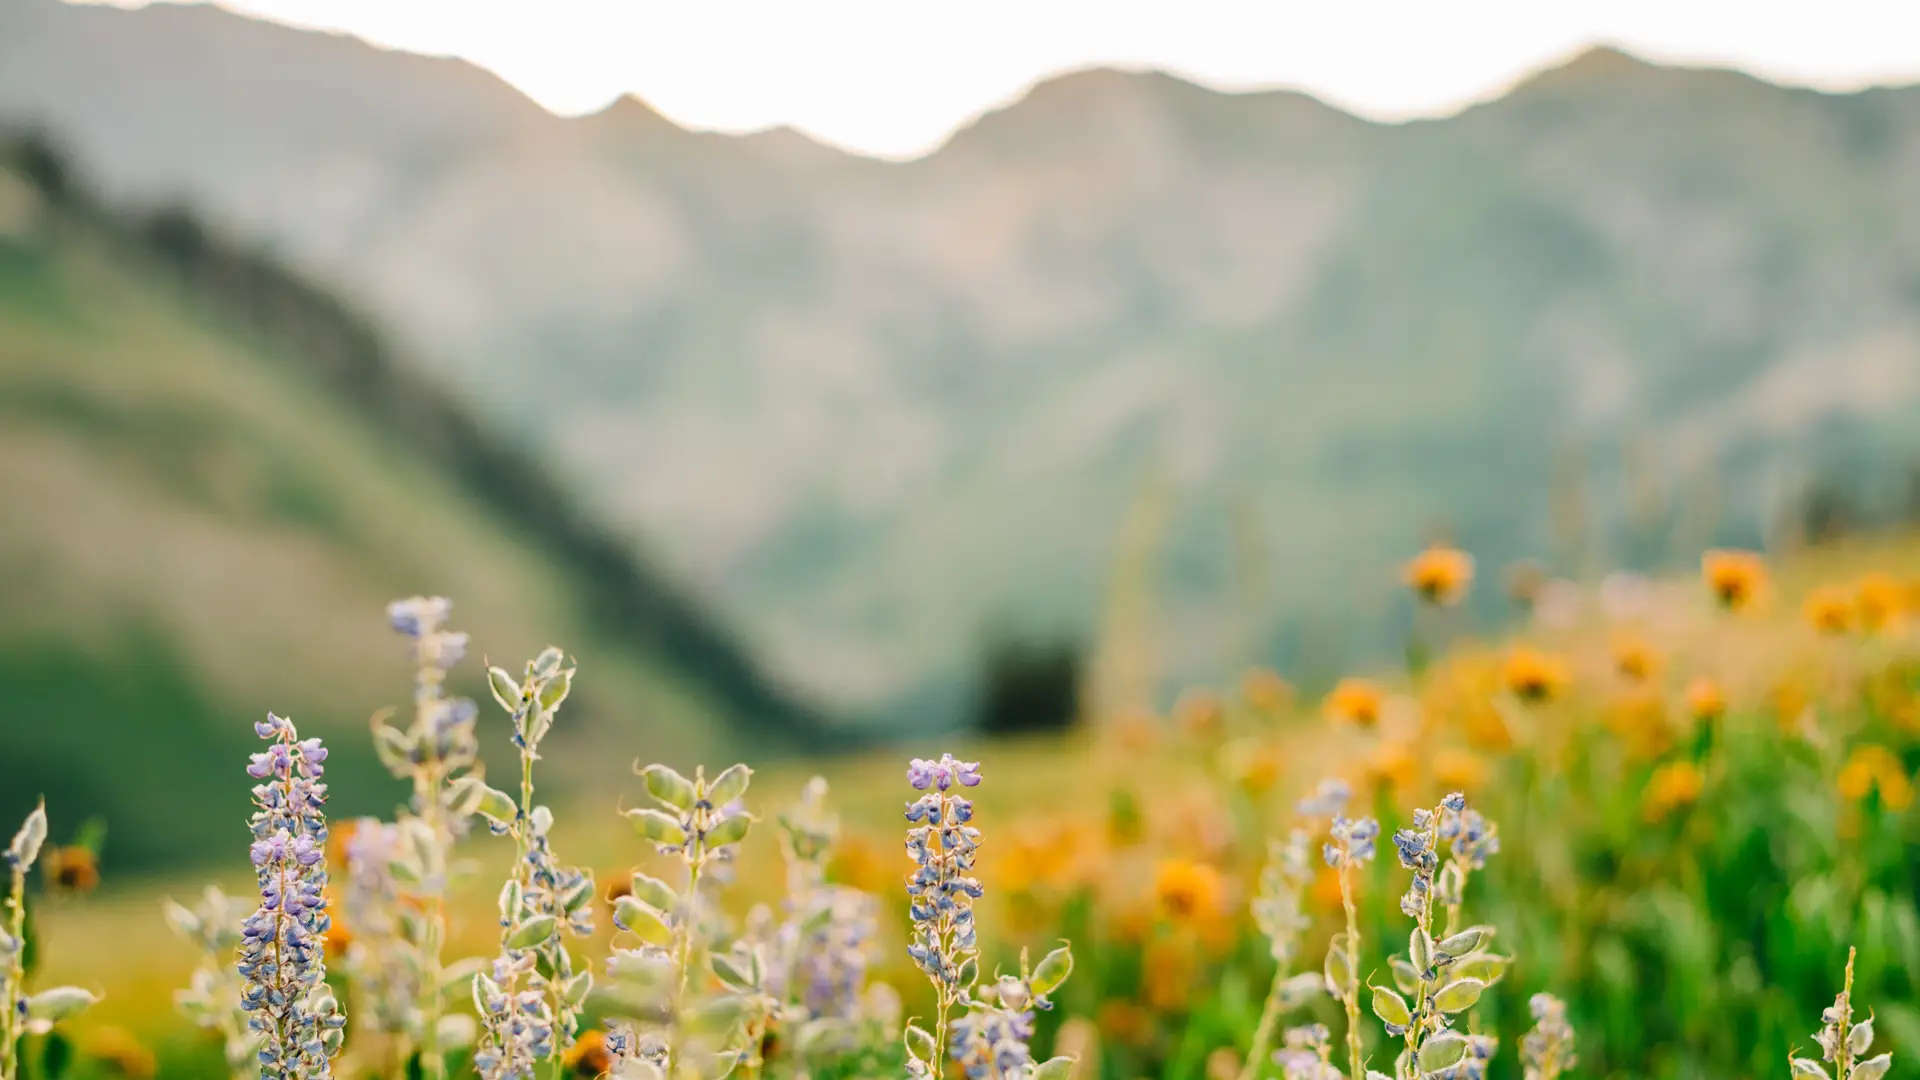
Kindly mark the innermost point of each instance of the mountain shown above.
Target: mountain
(215, 477)
(877, 411)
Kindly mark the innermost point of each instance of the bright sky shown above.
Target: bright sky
(895, 77)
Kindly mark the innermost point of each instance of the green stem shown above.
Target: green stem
(16, 974)
(683, 952)
(1356, 1067)
(1263, 1034)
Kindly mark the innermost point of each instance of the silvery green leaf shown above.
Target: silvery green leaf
(632, 913)
(1056, 1068)
(458, 975)
(1459, 994)
(578, 896)
(575, 990)
(1807, 1069)
(536, 724)
(657, 827)
(669, 787)
(730, 830)
(394, 749)
(919, 1043)
(1873, 1068)
(556, 689)
(654, 891)
(531, 933)
(1300, 989)
(183, 920)
(1442, 1051)
(1053, 970)
(547, 662)
(25, 847)
(969, 971)
(59, 1003)
(1420, 950)
(1391, 1008)
(730, 972)
(729, 785)
(1860, 1039)
(1339, 967)
(1487, 967)
(456, 1031)
(505, 690)
(1467, 941)
(490, 802)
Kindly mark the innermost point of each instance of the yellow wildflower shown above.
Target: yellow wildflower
(1873, 768)
(1882, 602)
(1829, 611)
(1532, 675)
(1440, 574)
(71, 869)
(1357, 702)
(1187, 891)
(1672, 786)
(1706, 702)
(1634, 658)
(1458, 770)
(120, 1052)
(1736, 578)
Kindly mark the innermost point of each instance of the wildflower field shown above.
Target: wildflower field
(1661, 830)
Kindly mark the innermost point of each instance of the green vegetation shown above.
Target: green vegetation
(215, 477)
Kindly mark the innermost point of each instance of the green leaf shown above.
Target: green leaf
(556, 689)
(919, 1043)
(729, 830)
(1057, 1068)
(1442, 1051)
(1467, 941)
(1339, 967)
(505, 691)
(1420, 950)
(1873, 1068)
(92, 837)
(1053, 970)
(669, 787)
(657, 827)
(1805, 1069)
(729, 971)
(59, 1003)
(635, 915)
(393, 748)
(1458, 995)
(1391, 1008)
(729, 785)
(532, 932)
(654, 892)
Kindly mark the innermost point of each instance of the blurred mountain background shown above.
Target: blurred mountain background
(875, 417)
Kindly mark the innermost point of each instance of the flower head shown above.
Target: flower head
(1829, 610)
(71, 869)
(1706, 702)
(1328, 799)
(943, 774)
(1357, 702)
(1882, 602)
(1440, 574)
(1672, 787)
(1351, 843)
(1736, 578)
(1532, 675)
(1634, 659)
(1872, 768)
(1186, 890)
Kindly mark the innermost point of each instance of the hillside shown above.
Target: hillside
(214, 479)
(873, 410)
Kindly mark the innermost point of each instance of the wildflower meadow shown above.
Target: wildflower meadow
(1662, 829)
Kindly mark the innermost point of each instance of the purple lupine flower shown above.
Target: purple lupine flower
(282, 951)
(940, 894)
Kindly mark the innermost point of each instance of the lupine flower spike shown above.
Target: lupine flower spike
(1844, 1042)
(1350, 845)
(282, 948)
(530, 1006)
(700, 822)
(1547, 1051)
(26, 1014)
(432, 752)
(1278, 912)
(1443, 977)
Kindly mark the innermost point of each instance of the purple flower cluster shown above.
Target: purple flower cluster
(992, 1041)
(940, 891)
(1352, 842)
(282, 944)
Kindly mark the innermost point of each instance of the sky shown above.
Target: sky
(893, 78)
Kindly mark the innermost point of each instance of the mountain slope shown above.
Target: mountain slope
(875, 409)
(214, 481)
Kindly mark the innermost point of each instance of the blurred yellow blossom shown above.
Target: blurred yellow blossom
(1357, 702)
(1672, 786)
(1532, 675)
(1393, 764)
(1634, 658)
(1440, 574)
(1873, 768)
(1458, 770)
(1882, 601)
(71, 869)
(1186, 890)
(120, 1052)
(1829, 610)
(1735, 578)
(1706, 702)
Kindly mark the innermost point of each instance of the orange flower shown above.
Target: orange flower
(1393, 764)
(1324, 893)
(1187, 891)
(588, 1056)
(1873, 768)
(337, 937)
(1640, 722)
(1634, 659)
(1169, 967)
(1735, 577)
(1532, 675)
(856, 861)
(71, 869)
(1829, 611)
(1440, 574)
(1672, 786)
(1706, 702)
(1357, 702)
(339, 835)
(1457, 770)
(120, 1052)
(1882, 600)
(1265, 690)
(1254, 764)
